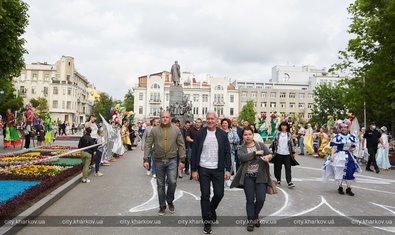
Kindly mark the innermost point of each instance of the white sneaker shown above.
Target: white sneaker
(148, 172)
(228, 183)
(99, 174)
(86, 181)
(154, 175)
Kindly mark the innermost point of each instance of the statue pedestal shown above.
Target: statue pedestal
(178, 105)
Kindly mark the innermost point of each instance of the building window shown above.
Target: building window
(195, 98)
(68, 105)
(282, 94)
(263, 94)
(301, 95)
(33, 90)
(253, 93)
(155, 96)
(292, 95)
(309, 105)
(205, 98)
(219, 111)
(45, 91)
(69, 91)
(301, 105)
(244, 94)
(204, 110)
(301, 115)
(35, 77)
(219, 87)
(64, 90)
(141, 95)
(55, 90)
(167, 97)
(310, 95)
(232, 98)
(195, 110)
(155, 86)
(272, 94)
(46, 77)
(55, 104)
(63, 104)
(291, 105)
(231, 111)
(272, 104)
(263, 104)
(282, 104)
(309, 115)
(218, 98)
(140, 109)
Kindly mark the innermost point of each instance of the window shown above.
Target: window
(263, 94)
(218, 98)
(232, 98)
(309, 105)
(141, 95)
(282, 94)
(35, 77)
(155, 86)
(301, 105)
(309, 115)
(310, 95)
(204, 110)
(68, 105)
(195, 110)
(244, 94)
(301, 95)
(69, 91)
(205, 98)
(292, 95)
(218, 87)
(282, 105)
(231, 111)
(263, 104)
(272, 104)
(45, 91)
(195, 98)
(63, 104)
(253, 93)
(167, 97)
(140, 109)
(55, 90)
(155, 96)
(301, 115)
(272, 94)
(291, 105)
(46, 77)
(22, 90)
(64, 90)
(219, 111)
(291, 114)
(33, 90)
(55, 104)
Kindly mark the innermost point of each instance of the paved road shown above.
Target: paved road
(125, 190)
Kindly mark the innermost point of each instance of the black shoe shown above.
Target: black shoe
(250, 226)
(291, 185)
(368, 169)
(340, 190)
(377, 171)
(186, 172)
(348, 191)
(278, 183)
(162, 210)
(301, 154)
(213, 216)
(180, 176)
(207, 229)
(172, 209)
(257, 223)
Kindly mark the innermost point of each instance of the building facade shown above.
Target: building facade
(204, 91)
(61, 84)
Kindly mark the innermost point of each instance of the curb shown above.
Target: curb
(41, 205)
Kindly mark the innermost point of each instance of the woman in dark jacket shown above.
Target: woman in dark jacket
(283, 153)
(253, 175)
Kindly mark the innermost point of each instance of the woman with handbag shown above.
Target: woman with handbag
(253, 175)
(283, 153)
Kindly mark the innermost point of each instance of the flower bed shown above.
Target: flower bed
(26, 182)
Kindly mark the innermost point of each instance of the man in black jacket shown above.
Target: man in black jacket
(210, 162)
(372, 137)
(86, 155)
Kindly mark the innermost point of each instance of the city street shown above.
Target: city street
(125, 192)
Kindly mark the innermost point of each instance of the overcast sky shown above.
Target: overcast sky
(114, 42)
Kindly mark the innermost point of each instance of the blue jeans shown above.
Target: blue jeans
(166, 172)
(206, 176)
(301, 144)
(153, 165)
(98, 160)
(255, 196)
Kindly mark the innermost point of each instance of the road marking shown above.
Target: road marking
(385, 207)
(285, 202)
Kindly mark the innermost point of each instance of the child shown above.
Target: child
(99, 152)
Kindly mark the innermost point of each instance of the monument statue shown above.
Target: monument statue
(175, 73)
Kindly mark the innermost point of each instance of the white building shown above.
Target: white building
(209, 93)
(61, 84)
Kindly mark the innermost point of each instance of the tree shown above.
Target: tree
(370, 60)
(247, 112)
(103, 105)
(128, 101)
(13, 21)
(41, 105)
(328, 100)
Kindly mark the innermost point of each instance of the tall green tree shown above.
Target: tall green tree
(247, 112)
(13, 21)
(103, 105)
(328, 100)
(370, 60)
(128, 101)
(41, 106)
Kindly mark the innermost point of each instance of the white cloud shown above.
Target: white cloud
(119, 41)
